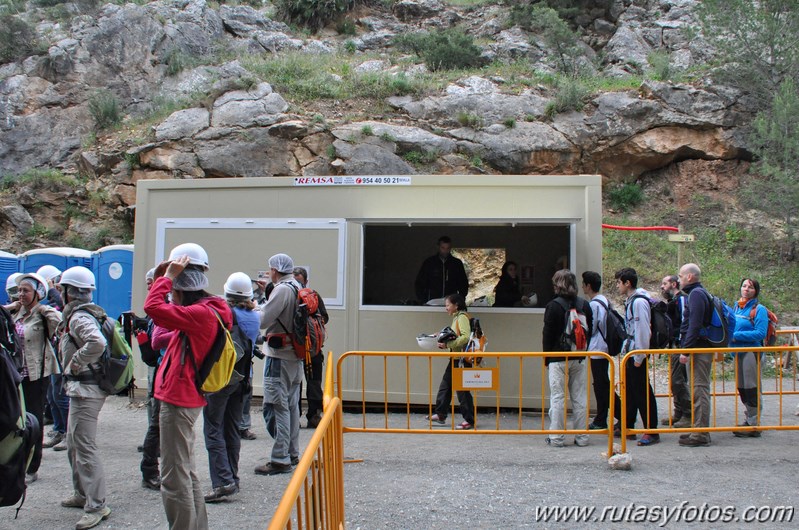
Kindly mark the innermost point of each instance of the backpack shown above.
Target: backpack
(477, 339)
(719, 326)
(19, 431)
(244, 347)
(659, 323)
(575, 328)
(114, 373)
(308, 336)
(217, 367)
(143, 330)
(9, 340)
(771, 332)
(615, 332)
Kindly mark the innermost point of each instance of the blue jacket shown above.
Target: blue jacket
(748, 333)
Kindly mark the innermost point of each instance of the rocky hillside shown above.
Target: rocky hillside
(194, 89)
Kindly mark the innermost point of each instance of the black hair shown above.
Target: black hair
(627, 274)
(192, 297)
(458, 300)
(673, 278)
(593, 279)
(444, 239)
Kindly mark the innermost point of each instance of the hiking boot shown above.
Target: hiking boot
(90, 520)
(746, 434)
(247, 434)
(76, 501)
(693, 442)
(55, 439)
(30, 478)
(649, 439)
(313, 421)
(61, 446)
(553, 443)
(295, 460)
(580, 443)
(273, 468)
(682, 423)
(140, 448)
(151, 483)
(221, 492)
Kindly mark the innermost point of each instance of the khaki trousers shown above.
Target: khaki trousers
(88, 478)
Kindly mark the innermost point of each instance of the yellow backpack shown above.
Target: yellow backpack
(216, 369)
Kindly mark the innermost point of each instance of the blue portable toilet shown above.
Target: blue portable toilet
(113, 269)
(9, 264)
(61, 257)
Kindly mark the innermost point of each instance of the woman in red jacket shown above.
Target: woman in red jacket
(191, 314)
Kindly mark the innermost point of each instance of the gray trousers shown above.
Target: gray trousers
(679, 387)
(749, 388)
(702, 364)
(181, 491)
(282, 383)
(88, 478)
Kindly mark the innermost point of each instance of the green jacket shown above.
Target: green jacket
(460, 324)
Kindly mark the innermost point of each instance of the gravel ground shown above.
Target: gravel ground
(451, 481)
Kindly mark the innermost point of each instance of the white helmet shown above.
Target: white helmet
(78, 276)
(239, 284)
(197, 254)
(48, 272)
(11, 283)
(41, 289)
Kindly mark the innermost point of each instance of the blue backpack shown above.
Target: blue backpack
(720, 323)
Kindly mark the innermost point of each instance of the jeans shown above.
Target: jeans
(59, 403)
(601, 382)
(578, 396)
(35, 397)
(221, 417)
(444, 396)
(246, 420)
(282, 381)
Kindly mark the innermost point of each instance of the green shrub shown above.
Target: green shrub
(468, 119)
(350, 46)
(39, 179)
(661, 67)
(176, 61)
(570, 95)
(624, 197)
(448, 49)
(424, 156)
(104, 108)
(312, 14)
(346, 27)
(547, 23)
(17, 39)
(366, 130)
(510, 123)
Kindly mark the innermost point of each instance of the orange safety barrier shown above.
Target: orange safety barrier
(314, 497)
(391, 425)
(713, 427)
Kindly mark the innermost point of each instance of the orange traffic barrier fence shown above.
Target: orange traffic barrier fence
(419, 368)
(314, 498)
(713, 394)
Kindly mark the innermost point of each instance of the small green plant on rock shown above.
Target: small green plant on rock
(471, 120)
(104, 108)
(625, 197)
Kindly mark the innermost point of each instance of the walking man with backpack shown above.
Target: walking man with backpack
(315, 369)
(681, 417)
(283, 369)
(600, 306)
(557, 337)
(81, 346)
(696, 314)
(637, 319)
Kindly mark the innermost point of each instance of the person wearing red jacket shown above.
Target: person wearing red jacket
(191, 314)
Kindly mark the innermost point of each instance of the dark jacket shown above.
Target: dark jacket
(674, 311)
(508, 293)
(555, 322)
(437, 278)
(695, 316)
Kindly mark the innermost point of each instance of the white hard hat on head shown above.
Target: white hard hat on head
(41, 283)
(197, 254)
(78, 276)
(239, 284)
(48, 272)
(11, 281)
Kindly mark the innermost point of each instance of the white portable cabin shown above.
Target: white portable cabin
(363, 240)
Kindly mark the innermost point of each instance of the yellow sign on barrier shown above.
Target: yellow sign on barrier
(474, 378)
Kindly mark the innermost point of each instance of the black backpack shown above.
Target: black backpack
(615, 332)
(18, 433)
(660, 323)
(9, 340)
